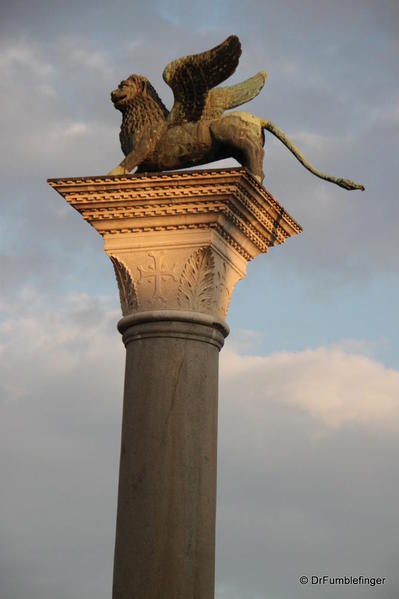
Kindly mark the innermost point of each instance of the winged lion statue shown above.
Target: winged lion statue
(198, 130)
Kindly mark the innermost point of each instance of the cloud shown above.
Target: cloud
(322, 145)
(304, 437)
(56, 112)
(61, 390)
(25, 57)
(56, 340)
(306, 453)
(83, 56)
(335, 388)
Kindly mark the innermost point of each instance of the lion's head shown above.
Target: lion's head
(135, 86)
(127, 90)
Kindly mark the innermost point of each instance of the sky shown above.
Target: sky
(309, 377)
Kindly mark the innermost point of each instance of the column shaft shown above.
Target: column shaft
(165, 533)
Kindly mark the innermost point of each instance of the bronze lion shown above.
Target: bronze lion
(197, 131)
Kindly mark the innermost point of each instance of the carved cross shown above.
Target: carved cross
(158, 271)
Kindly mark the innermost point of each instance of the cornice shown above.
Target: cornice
(109, 200)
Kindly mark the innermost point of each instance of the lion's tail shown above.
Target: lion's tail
(345, 183)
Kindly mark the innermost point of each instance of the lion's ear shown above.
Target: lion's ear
(144, 87)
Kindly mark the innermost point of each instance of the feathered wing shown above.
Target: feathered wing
(223, 98)
(191, 78)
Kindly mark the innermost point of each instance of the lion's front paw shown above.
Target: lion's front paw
(118, 170)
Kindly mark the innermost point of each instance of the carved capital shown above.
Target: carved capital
(199, 277)
(182, 240)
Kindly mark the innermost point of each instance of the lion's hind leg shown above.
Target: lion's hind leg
(242, 139)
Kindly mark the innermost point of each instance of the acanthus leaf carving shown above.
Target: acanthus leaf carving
(196, 287)
(223, 293)
(127, 290)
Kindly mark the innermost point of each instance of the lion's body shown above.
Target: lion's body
(237, 135)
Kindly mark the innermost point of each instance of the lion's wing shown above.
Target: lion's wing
(223, 98)
(191, 78)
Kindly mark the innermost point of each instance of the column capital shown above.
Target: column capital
(179, 240)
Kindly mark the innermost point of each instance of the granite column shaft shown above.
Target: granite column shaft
(165, 533)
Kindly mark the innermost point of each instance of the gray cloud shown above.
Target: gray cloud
(60, 447)
(305, 487)
(293, 500)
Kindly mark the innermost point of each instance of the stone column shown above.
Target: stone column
(179, 242)
(167, 480)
